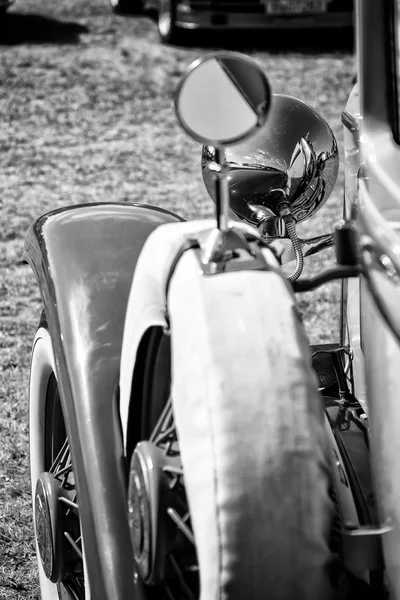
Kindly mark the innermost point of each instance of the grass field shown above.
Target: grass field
(86, 100)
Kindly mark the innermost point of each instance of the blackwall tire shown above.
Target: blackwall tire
(46, 433)
(168, 31)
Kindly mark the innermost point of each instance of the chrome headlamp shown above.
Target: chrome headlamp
(295, 152)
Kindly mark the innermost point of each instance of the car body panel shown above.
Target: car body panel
(84, 258)
(351, 334)
(252, 14)
(375, 196)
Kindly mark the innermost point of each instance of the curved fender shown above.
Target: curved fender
(147, 299)
(84, 258)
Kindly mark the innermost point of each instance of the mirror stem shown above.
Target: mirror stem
(222, 191)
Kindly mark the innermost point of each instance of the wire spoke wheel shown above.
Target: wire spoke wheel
(159, 517)
(56, 507)
(62, 471)
(66, 525)
(182, 561)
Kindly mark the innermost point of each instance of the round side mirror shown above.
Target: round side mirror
(222, 98)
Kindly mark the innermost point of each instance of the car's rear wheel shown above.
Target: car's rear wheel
(159, 519)
(126, 7)
(168, 31)
(59, 544)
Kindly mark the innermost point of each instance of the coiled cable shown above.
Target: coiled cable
(298, 250)
(286, 215)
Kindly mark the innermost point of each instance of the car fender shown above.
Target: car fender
(147, 303)
(84, 258)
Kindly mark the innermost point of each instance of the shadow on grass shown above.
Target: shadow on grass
(319, 41)
(18, 28)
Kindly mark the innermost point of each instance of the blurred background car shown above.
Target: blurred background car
(4, 4)
(175, 17)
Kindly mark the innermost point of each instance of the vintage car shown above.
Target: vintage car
(181, 445)
(174, 17)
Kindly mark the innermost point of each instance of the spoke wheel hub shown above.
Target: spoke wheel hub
(149, 492)
(47, 525)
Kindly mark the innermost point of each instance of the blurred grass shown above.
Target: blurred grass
(86, 100)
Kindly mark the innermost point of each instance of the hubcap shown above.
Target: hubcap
(139, 510)
(159, 520)
(148, 484)
(57, 527)
(47, 523)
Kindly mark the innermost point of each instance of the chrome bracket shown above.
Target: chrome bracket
(231, 250)
(220, 252)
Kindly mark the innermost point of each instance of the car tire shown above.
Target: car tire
(254, 462)
(168, 31)
(126, 7)
(61, 568)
